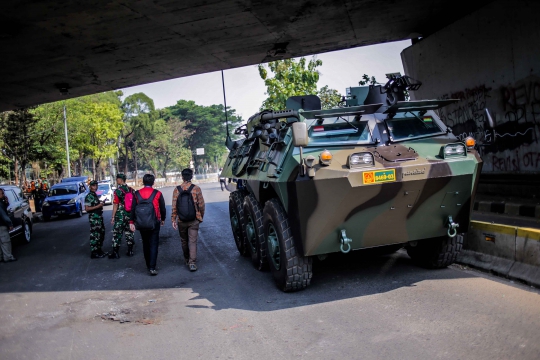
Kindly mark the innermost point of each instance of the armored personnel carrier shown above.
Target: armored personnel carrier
(377, 171)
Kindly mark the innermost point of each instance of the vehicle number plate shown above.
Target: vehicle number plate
(60, 211)
(379, 176)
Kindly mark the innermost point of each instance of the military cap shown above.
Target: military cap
(93, 182)
(121, 176)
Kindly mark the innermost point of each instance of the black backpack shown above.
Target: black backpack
(145, 213)
(185, 208)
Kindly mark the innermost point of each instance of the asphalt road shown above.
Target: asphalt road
(57, 303)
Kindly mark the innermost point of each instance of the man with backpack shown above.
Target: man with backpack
(187, 213)
(148, 215)
(123, 198)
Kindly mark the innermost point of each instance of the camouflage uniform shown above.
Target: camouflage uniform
(97, 226)
(121, 220)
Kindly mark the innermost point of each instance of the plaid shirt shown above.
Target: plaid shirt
(198, 200)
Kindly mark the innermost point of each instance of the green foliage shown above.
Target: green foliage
(205, 126)
(367, 80)
(291, 78)
(164, 146)
(330, 98)
(23, 138)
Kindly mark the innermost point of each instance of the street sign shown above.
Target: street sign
(200, 151)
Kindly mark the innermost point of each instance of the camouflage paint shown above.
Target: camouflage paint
(426, 190)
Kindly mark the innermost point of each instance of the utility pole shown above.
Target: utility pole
(67, 143)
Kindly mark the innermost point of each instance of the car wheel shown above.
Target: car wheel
(27, 231)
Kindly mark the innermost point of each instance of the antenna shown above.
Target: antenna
(228, 141)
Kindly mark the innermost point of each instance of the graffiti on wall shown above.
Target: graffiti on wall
(513, 145)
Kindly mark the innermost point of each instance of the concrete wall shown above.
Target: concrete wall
(490, 58)
(506, 250)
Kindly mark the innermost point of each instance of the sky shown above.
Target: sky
(246, 91)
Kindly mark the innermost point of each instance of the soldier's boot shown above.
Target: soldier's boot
(102, 253)
(130, 250)
(97, 254)
(115, 254)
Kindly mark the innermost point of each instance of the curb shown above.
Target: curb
(509, 251)
(501, 207)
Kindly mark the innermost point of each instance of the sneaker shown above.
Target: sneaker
(11, 260)
(192, 267)
(153, 272)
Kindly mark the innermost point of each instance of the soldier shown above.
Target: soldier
(94, 208)
(120, 218)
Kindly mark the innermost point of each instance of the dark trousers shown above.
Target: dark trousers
(150, 240)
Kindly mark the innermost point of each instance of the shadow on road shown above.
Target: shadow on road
(58, 260)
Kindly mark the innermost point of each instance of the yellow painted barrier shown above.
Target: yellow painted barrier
(530, 233)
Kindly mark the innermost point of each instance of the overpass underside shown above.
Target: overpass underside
(93, 46)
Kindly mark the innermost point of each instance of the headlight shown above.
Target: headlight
(72, 201)
(361, 160)
(452, 150)
(45, 204)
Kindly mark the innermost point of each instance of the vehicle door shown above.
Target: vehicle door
(15, 210)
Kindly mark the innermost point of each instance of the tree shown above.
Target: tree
(164, 146)
(330, 98)
(23, 139)
(291, 78)
(367, 80)
(205, 126)
(139, 114)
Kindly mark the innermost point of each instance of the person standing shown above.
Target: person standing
(94, 208)
(120, 217)
(6, 225)
(148, 215)
(186, 219)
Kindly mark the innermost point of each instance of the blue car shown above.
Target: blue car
(65, 199)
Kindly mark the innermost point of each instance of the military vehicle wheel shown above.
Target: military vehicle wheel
(291, 270)
(436, 253)
(236, 213)
(253, 225)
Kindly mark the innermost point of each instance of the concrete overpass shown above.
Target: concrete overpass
(98, 45)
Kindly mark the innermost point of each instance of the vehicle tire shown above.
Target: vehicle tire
(291, 270)
(253, 228)
(436, 253)
(27, 231)
(80, 212)
(236, 215)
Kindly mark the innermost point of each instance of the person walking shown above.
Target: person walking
(222, 180)
(187, 214)
(94, 208)
(148, 215)
(120, 217)
(6, 225)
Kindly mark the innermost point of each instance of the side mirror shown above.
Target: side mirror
(490, 122)
(300, 134)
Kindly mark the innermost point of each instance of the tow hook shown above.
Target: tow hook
(345, 241)
(452, 227)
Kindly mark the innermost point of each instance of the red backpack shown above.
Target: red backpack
(128, 198)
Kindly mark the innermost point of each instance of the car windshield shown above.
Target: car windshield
(412, 127)
(341, 130)
(103, 187)
(64, 190)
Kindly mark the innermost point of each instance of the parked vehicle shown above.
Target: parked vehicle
(378, 171)
(19, 211)
(76, 179)
(65, 198)
(105, 192)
